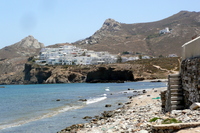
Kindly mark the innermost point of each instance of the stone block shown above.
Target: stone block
(195, 106)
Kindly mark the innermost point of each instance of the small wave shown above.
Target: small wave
(51, 114)
(94, 100)
(107, 89)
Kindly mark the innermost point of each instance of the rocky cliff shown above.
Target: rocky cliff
(34, 74)
(119, 72)
(108, 74)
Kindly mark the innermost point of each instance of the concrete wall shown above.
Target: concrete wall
(191, 48)
(190, 75)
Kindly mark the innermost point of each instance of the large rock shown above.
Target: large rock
(195, 106)
(109, 74)
(29, 42)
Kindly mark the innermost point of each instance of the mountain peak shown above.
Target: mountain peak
(111, 24)
(29, 42)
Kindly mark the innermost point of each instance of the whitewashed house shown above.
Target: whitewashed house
(71, 55)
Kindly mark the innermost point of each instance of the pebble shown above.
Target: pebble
(136, 119)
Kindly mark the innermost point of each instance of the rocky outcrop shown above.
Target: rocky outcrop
(30, 73)
(29, 42)
(109, 26)
(50, 74)
(109, 74)
(27, 47)
(58, 74)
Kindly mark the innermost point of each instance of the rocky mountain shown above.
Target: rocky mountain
(13, 57)
(145, 38)
(27, 47)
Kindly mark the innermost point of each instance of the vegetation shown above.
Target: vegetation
(170, 121)
(153, 36)
(165, 121)
(154, 119)
(125, 52)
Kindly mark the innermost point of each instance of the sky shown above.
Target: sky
(60, 21)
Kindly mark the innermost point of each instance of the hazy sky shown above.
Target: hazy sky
(59, 21)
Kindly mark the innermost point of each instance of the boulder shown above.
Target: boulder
(108, 105)
(144, 91)
(194, 106)
(83, 100)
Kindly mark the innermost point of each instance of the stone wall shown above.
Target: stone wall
(190, 75)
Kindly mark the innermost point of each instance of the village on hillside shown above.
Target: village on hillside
(72, 55)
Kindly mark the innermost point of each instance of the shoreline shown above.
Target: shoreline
(135, 115)
(126, 118)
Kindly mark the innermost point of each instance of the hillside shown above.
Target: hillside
(13, 57)
(145, 38)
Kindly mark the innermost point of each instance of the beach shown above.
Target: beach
(49, 108)
(135, 116)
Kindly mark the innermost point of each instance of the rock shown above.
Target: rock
(58, 100)
(142, 131)
(130, 97)
(120, 103)
(144, 91)
(83, 100)
(106, 114)
(194, 106)
(108, 105)
(128, 103)
(87, 117)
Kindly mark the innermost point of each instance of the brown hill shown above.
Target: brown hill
(145, 38)
(13, 57)
(27, 47)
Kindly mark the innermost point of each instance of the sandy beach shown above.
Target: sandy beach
(135, 116)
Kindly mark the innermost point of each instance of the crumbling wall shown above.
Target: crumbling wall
(190, 75)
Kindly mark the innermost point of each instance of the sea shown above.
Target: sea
(49, 108)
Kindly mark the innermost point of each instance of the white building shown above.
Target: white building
(71, 55)
(164, 31)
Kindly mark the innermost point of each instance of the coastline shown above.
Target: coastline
(134, 116)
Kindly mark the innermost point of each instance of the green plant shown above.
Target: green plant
(125, 52)
(169, 121)
(154, 119)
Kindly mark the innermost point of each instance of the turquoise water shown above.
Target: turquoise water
(35, 109)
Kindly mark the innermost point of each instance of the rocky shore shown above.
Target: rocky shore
(140, 114)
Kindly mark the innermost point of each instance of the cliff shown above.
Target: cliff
(58, 74)
(119, 72)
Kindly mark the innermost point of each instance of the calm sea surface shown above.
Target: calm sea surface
(35, 109)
